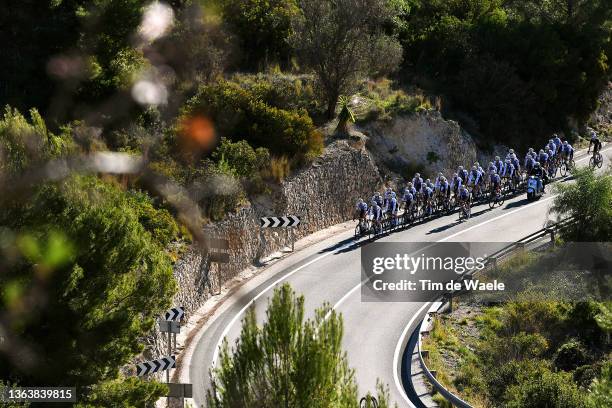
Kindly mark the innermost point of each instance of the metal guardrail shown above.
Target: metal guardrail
(549, 231)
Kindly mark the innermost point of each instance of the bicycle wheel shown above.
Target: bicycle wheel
(563, 169)
(492, 200)
(592, 162)
(599, 160)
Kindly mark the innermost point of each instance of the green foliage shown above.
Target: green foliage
(26, 143)
(128, 392)
(217, 191)
(263, 28)
(545, 389)
(239, 114)
(93, 37)
(520, 68)
(287, 362)
(243, 160)
(80, 270)
(601, 389)
(588, 200)
(342, 41)
(570, 356)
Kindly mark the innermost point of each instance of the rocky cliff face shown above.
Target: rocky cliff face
(424, 140)
(323, 194)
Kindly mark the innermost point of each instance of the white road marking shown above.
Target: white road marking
(276, 282)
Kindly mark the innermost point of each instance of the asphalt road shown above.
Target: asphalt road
(329, 271)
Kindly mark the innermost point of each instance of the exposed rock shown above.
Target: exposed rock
(422, 139)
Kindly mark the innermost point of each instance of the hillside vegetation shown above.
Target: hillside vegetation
(128, 124)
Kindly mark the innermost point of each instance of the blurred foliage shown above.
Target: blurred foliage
(78, 47)
(80, 271)
(288, 361)
(588, 201)
(239, 114)
(28, 143)
(521, 69)
(83, 270)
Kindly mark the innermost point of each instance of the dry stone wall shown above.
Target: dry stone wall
(323, 194)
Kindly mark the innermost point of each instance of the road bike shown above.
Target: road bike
(368, 402)
(567, 166)
(363, 227)
(596, 161)
(496, 197)
(465, 210)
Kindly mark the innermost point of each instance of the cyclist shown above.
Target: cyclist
(540, 174)
(393, 207)
(443, 188)
(492, 167)
(474, 178)
(464, 197)
(456, 183)
(438, 179)
(388, 194)
(377, 215)
(508, 170)
(557, 141)
(532, 153)
(499, 163)
(567, 151)
(377, 199)
(429, 184)
(529, 162)
(427, 196)
(463, 174)
(496, 180)
(417, 181)
(595, 143)
(361, 209)
(409, 197)
(543, 159)
(511, 155)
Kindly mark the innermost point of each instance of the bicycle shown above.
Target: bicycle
(567, 166)
(465, 210)
(363, 227)
(368, 402)
(496, 197)
(596, 160)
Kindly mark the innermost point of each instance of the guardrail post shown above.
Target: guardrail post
(551, 231)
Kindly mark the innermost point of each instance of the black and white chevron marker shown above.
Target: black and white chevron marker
(176, 313)
(153, 366)
(278, 222)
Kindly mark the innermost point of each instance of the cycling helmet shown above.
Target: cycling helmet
(536, 164)
(393, 195)
(508, 161)
(428, 181)
(593, 134)
(511, 151)
(474, 168)
(530, 149)
(477, 164)
(360, 200)
(417, 175)
(460, 168)
(565, 143)
(455, 175)
(541, 151)
(410, 184)
(497, 158)
(443, 178)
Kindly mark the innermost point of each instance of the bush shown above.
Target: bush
(546, 389)
(588, 200)
(239, 114)
(570, 355)
(242, 158)
(217, 190)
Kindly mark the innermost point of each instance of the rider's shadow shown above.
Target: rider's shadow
(454, 224)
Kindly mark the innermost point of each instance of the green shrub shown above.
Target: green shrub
(546, 389)
(242, 158)
(239, 114)
(217, 190)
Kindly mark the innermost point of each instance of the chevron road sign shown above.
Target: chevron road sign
(278, 222)
(176, 313)
(153, 366)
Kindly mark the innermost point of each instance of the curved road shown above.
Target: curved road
(329, 271)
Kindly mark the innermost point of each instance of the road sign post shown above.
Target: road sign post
(288, 222)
